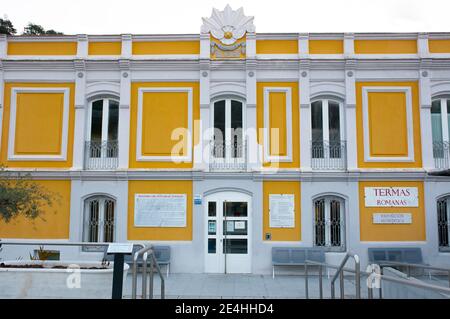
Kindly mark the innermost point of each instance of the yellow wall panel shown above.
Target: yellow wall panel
(166, 47)
(295, 121)
(277, 119)
(42, 48)
(53, 224)
(159, 121)
(391, 105)
(39, 120)
(392, 232)
(105, 48)
(326, 46)
(388, 124)
(385, 46)
(282, 187)
(157, 126)
(159, 187)
(38, 136)
(439, 46)
(276, 47)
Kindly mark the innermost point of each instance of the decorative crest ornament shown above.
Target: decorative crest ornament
(228, 25)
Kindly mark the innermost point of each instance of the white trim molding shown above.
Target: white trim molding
(142, 158)
(409, 123)
(12, 126)
(267, 156)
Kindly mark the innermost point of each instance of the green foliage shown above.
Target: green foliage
(36, 29)
(21, 196)
(6, 27)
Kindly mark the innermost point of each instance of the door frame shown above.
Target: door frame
(220, 197)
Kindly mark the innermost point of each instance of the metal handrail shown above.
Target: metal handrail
(340, 273)
(380, 276)
(411, 265)
(153, 262)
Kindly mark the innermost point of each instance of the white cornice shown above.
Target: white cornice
(165, 37)
(277, 36)
(43, 38)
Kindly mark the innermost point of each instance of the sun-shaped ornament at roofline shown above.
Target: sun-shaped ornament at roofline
(228, 25)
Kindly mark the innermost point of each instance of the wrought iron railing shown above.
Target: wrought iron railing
(441, 155)
(228, 156)
(101, 155)
(326, 155)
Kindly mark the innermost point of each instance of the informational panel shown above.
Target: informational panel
(391, 196)
(120, 248)
(392, 218)
(160, 210)
(281, 210)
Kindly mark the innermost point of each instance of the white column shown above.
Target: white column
(350, 115)
(202, 150)
(3, 46)
(422, 45)
(349, 45)
(303, 45)
(305, 115)
(82, 46)
(80, 115)
(2, 89)
(127, 46)
(254, 151)
(124, 113)
(425, 115)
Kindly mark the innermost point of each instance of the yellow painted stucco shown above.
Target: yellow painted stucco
(39, 119)
(277, 119)
(326, 46)
(276, 46)
(392, 232)
(105, 48)
(166, 47)
(295, 121)
(282, 187)
(439, 46)
(42, 48)
(385, 46)
(162, 113)
(387, 114)
(159, 187)
(53, 224)
(38, 125)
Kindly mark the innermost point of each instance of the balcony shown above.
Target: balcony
(101, 155)
(441, 155)
(327, 155)
(228, 156)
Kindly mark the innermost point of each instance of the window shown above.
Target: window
(443, 211)
(228, 146)
(99, 220)
(329, 223)
(102, 134)
(327, 129)
(440, 126)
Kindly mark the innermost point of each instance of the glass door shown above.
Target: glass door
(228, 234)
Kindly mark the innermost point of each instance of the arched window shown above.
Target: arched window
(440, 125)
(228, 145)
(99, 219)
(443, 211)
(328, 139)
(329, 216)
(102, 134)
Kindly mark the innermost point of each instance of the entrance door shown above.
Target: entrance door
(228, 233)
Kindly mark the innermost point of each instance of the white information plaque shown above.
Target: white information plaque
(391, 196)
(281, 210)
(160, 210)
(120, 248)
(392, 218)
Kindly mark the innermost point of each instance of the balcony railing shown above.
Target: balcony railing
(441, 155)
(228, 156)
(101, 155)
(327, 155)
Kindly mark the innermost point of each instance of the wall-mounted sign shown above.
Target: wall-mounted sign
(392, 218)
(160, 210)
(239, 225)
(281, 210)
(391, 196)
(197, 199)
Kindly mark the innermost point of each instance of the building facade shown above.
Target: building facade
(227, 143)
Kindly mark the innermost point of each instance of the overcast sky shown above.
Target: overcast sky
(182, 16)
